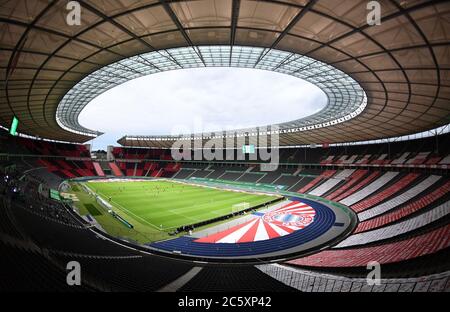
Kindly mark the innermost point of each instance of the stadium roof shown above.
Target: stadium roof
(403, 65)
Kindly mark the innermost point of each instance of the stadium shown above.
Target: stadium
(352, 198)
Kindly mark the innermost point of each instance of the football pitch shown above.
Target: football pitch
(166, 205)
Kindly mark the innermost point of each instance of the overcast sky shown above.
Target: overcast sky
(199, 100)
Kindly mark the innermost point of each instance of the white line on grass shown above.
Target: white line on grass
(128, 211)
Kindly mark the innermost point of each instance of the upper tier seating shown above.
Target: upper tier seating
(401, 159)
(328, 160)
(381, 160)
(141, 153)
(445, 160)
(420, 158)
(364, 160)
(68, 168)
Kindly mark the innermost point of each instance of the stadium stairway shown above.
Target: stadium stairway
(115, 169)
(98, 169)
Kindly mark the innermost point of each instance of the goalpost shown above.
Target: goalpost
(239, 207)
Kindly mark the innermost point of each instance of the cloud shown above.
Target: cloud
(216, 98)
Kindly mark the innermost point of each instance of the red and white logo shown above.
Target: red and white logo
(296, 214)
(279, 222)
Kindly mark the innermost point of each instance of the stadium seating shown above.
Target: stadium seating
(312, 281)
(445, 160)
(403, 214)
(26, 269)
(325, 174)
(386, 193)
(351, 180)
(402, 250)
(404, 211)
(128, 273)
(363, 160)
(420, 158)
(6, 225)
(400, 199)
(332, 182)
(369, 189)
(229, 278)
(397, 229)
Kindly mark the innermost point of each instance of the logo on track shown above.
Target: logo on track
(296, 214)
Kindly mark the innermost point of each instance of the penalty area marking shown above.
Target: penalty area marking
(123, 209)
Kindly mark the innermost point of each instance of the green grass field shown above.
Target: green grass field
(168, 205)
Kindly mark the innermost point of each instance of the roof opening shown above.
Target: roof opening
(200, 100)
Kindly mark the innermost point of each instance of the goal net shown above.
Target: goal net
(239, 207)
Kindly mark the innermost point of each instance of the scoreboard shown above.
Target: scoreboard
(248, 149)
(14, 125)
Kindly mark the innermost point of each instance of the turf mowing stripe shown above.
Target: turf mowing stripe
(127, 211)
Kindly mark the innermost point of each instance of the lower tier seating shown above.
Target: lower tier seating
(399, 199)
(410, 248)
(404, 211)
(397, 229)
(313, 281)
(129, 273)
(386, 193)
(22, 269)
(369, 189)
